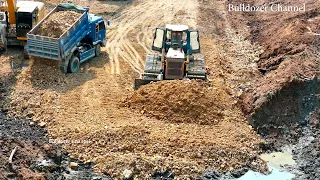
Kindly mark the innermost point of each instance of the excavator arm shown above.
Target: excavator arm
(12, 7)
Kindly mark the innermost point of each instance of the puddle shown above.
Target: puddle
(274, 175)
(275, 162)
(278, 159)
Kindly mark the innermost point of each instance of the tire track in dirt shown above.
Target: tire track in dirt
(140, 21)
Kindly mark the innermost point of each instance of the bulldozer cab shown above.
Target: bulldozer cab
(176, 36)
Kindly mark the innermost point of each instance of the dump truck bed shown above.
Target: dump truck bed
(58, 48)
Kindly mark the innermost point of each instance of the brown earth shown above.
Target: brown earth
(25, 154)
(291, 45)
(29, 102)
(58, 23)
(87, 106)
(186, 101)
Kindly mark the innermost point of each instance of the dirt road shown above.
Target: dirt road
(130, 34)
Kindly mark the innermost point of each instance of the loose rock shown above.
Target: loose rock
(127, 174)
(73, 165)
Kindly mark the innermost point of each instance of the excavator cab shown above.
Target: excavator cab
(26, 19)
(177, 44)
(17, 18)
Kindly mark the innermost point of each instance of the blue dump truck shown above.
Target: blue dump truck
(82, 41)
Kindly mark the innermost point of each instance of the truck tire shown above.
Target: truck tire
(98, 50)
(25, 52)
(74, 64)
(64, 66)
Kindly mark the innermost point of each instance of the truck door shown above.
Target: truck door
(195, 41)
(159, 37)
(100, 31)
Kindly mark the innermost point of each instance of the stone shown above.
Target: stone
(42, 124)
(77, 130)
(127, 174)
(73, 165)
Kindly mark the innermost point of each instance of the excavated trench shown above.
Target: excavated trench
(293, 104)
(290, 123)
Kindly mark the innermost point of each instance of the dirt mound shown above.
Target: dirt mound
(45, 74)
(31, 98)
(188, 101)
(58, 23)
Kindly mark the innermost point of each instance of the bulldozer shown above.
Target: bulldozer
(176, 45)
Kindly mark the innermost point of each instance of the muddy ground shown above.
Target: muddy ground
(35, 157)
(263, 79)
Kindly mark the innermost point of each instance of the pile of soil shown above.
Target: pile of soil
(31, 97)
(188, 101)
(58, 23)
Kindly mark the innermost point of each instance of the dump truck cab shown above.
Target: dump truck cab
(98, 26)
(177, 44)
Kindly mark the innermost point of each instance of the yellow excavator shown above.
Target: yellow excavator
(17, 18)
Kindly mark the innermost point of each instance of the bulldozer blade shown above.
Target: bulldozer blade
(140, 82)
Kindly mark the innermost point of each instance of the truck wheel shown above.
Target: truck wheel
(64, 66)
(25, 52)
(74, 65)
(98, 50)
